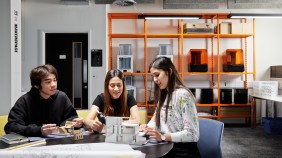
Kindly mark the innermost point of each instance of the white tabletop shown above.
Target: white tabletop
(277, 98)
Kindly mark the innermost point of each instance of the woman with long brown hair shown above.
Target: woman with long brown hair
(115, 101)
(175, 118)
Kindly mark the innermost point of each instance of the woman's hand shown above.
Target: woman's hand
(78, 122)
(95, 125)
(153, 133)
(142, 127)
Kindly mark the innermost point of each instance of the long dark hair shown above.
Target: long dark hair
(109, 109)
(174, 82)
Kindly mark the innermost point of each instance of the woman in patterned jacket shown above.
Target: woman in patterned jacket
(175, 118)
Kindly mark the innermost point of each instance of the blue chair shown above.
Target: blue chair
(211, 132)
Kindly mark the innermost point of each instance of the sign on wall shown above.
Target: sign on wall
(15, 12)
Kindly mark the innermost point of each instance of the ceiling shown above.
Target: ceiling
(198, 4)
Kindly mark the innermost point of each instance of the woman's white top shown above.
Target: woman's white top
(182, 122)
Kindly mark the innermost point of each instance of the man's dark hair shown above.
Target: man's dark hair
(40, 72)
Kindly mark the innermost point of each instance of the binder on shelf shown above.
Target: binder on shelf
(13, 138)
(197, 60)
(233, 60)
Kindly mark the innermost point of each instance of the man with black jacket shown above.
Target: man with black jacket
(43, 108)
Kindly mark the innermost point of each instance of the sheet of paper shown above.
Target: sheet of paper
(107, 150)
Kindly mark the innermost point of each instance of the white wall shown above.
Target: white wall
(52, 16)
(5, 56)
(269, 46)
(10, 53)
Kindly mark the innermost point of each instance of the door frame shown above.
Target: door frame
(42, 53)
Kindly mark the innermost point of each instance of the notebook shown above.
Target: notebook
(13, 138)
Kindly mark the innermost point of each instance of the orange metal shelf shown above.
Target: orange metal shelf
(235, 73)
(234, 35)
(214, 41)
(127, 35)
(134, 73)
(235, 116)
(209, 116)
(248, 104)
(199, 35)
(214, 104)
(163, 35)
(198, 73)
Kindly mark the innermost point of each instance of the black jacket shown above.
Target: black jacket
(31, 111)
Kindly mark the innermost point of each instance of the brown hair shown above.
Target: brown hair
(174, 82)
(108, 109)
(40, 72)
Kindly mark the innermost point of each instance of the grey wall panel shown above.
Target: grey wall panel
(271, 4)
(191, 6)
(5, 57)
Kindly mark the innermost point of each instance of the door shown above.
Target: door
(68, 52)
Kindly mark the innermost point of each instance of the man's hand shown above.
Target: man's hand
(47, 129)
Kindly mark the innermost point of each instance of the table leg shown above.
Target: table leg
(253, 112)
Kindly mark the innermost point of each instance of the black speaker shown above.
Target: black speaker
(206, 96)
(226, 96)
(240, 96)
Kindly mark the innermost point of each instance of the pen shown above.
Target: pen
(145, 142)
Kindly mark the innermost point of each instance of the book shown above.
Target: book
(13, 138)
(26, 145)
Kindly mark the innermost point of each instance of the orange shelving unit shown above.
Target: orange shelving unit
(145, 35)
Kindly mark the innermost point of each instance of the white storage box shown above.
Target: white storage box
(265, 88)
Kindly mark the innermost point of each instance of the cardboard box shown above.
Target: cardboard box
(247, 28)
(236, 28)
(225, 28)
(241, 28)
(198, 28)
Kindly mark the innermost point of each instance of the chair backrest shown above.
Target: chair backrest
(211, 132)
(82, 113)
(3, 121)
